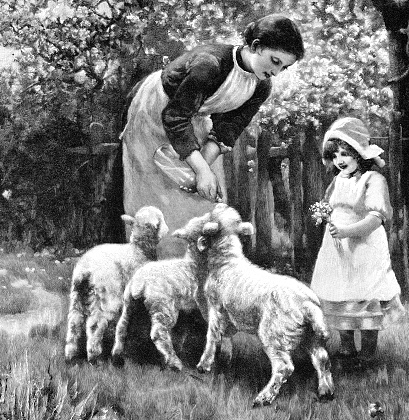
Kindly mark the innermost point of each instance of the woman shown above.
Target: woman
(200, 104)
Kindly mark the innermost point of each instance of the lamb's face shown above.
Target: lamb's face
(148, 221)
(192, 231)
(228, 221)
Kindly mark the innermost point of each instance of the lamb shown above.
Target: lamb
(283, 312)
(99, 279)
(167, 287)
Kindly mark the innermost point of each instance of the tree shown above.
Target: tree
(396, 18)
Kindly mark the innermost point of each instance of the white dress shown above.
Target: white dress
(144, 183)
(355, 282)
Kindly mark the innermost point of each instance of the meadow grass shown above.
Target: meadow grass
(36, 383)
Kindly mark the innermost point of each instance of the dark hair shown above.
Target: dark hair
(276, 32)
(332, 146)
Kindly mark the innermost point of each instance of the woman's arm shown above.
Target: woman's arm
(211, 150)
(192, 78)
(355, 230)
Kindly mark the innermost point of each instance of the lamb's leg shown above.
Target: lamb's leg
(76, 325)
(322, 365)
(216, 328)
(281, 369)
(121, 331)
(318, 354)
(163, 320)
(97, 323)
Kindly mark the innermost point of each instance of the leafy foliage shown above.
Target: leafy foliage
(344, 71)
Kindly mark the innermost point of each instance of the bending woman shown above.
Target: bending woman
(199, 105)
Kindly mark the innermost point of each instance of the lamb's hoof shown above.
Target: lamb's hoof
(202, 369)
(329, 396)
(176, 366)
(261, 403)
(118, 361)
(74, 361)
(95, 361)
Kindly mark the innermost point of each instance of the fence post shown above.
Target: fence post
(297, 223)
(240, 189)
(263, 207)
(313, 190)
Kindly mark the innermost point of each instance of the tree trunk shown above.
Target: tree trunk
(263, 210)
(296, 198)
(396, 17)
(398, 225)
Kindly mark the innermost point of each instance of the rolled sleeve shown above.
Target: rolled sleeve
(377, 197)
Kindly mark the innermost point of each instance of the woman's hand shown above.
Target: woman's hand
(207, 184)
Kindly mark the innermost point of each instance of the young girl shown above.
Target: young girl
(199, 104)
(353, 276)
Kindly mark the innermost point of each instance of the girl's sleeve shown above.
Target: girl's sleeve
(201, 73)
(377, 200)
(228, 126)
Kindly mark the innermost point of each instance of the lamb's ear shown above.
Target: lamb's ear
(210, 228)
(180, 233)
(246, 228)
(163, 230)
(202, 243)
(129, 220)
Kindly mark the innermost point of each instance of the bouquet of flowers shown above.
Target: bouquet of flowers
(321, 212)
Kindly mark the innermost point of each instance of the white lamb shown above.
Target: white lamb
(99, 279)
(166, 287)
(284, 313)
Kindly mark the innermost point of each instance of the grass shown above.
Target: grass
(35, 382)
(14, 301)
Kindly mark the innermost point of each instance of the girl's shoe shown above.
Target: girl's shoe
(344, 355)
(365, 362)
(345, 361)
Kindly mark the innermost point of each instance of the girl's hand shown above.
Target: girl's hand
(338, 231)
(207, 185)
(356, 230)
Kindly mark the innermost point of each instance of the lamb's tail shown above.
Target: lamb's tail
(135, 289)
(315, 316)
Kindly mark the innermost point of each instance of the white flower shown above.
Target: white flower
(7, 194)
(80, 77)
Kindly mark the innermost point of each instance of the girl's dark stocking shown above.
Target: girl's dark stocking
(347, 346)
(369, 341)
